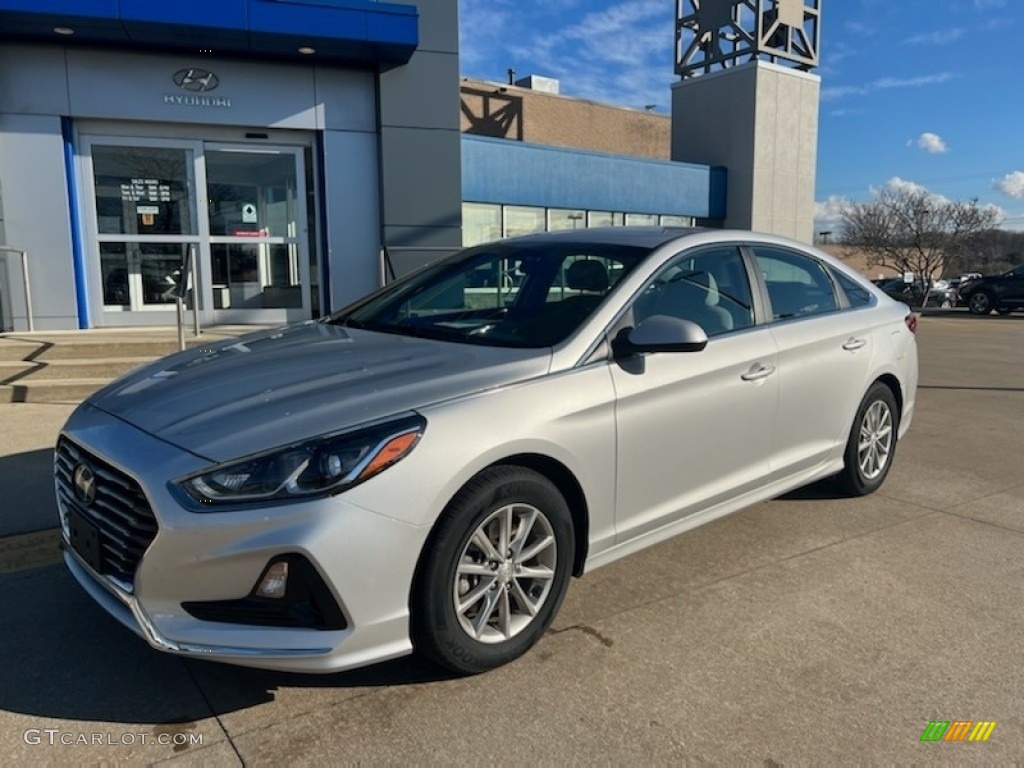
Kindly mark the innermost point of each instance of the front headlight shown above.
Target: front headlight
(317, 467)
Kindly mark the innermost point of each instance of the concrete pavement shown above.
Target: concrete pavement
(810, 629)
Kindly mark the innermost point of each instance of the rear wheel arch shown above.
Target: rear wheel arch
(897, 392)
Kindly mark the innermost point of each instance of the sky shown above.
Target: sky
(926, 93)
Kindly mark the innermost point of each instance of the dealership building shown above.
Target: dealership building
(280, 158)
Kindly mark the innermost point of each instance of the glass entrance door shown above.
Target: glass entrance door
(145, 222)
(258, 234)
(239, 209)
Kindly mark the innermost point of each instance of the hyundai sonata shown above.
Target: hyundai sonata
(428, 468)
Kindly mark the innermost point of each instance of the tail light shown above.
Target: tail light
(911, 321)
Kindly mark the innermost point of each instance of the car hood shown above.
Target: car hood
(272, 388)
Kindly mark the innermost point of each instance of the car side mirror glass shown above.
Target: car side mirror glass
(661, 333)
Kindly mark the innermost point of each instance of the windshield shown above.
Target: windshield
(533, 294)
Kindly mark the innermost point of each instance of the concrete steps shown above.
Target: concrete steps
(63, 367)
(66, 391)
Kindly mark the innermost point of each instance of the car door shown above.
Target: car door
(824, 353)
(1013, 288)
(694, 429)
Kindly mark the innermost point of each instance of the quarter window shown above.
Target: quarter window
(798, 285)
(856, 294)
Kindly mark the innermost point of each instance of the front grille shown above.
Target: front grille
(120, 511)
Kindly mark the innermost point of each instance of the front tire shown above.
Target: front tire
(872, 443)
(981, 303)
(495, 571)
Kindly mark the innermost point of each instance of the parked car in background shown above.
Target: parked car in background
(1002, 293)
(912, 294)
(428, 468)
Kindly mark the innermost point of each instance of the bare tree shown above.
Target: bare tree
(909, 229)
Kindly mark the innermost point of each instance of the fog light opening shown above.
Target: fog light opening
(274, 583)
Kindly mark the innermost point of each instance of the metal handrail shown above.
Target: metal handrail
(190, 274)
(25, 281)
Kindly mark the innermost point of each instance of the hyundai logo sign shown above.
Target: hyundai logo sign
(196, 80)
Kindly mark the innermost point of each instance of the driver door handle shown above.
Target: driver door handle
(853, 344)
(758, 371)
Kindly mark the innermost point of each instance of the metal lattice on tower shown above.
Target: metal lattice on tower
(717, 34)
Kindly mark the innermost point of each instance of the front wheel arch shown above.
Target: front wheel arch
(434, 618)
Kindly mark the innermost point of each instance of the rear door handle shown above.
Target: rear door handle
(758, 371)
(853, 344)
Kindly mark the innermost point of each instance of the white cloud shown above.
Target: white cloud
(884, 83)
(860, 28)
(606, 54)
(827, 216)
(939, 37)
(897, 184)
(932, 143)
(1011, 185)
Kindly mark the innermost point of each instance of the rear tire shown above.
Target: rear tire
(494, 572)
(871, 446)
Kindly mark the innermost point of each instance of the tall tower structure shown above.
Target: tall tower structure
(747, 99)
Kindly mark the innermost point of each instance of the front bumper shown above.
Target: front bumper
(366, 559)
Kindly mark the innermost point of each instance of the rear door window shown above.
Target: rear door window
(798, 285)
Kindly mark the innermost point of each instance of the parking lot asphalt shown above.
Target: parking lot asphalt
(810, 629)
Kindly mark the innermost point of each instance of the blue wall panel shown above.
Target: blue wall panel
(224, 14)
(515, 173)
(361, 31)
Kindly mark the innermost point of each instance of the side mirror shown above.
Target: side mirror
(660, 333)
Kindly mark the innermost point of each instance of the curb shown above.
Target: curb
(24, 551)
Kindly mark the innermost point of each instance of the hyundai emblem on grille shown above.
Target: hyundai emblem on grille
(85, 484)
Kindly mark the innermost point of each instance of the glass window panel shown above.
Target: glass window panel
(142, 191)
(856, 294)
(114, 271)
(523, 220)
(481, 223)
(797, 284)
(708, 287)
(255, 276)
(600, 219)
(162, 266)
(566, 218)
(251, 193)
(676, 221)
(641, 220)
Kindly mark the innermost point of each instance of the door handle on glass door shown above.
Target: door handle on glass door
(853, 344)
(758, 371)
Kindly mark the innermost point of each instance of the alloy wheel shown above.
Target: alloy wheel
(876, 436)
(505, 572)
(980, 303)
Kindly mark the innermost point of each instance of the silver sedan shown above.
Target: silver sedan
(428, 468)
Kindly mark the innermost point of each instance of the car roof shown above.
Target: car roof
(643, 237)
